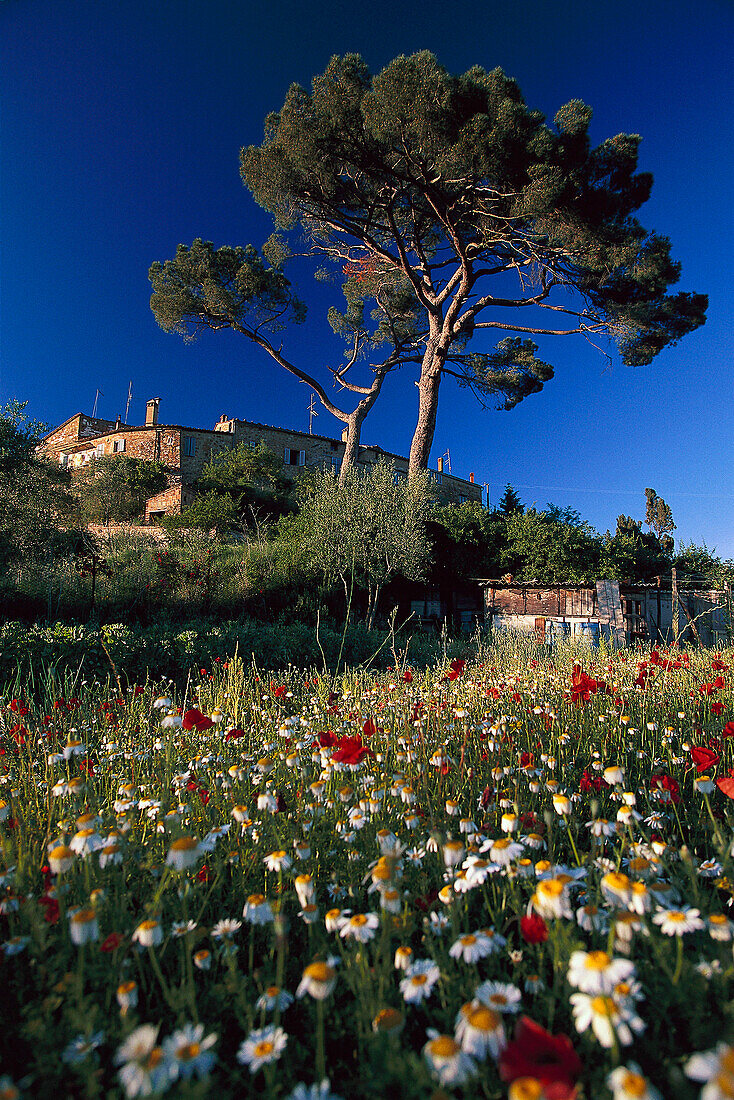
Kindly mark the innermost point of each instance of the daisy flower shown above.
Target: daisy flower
(145, 1069)
(447, 1061)
(277, 861)
(716, 1068)
(313, 1092)
(257, 910)
(550, 899)
(500, 996)
(678, 922)
(481, 1032)
(606, 1019)
(627, 1083)
(318, 980)
(225, 929)
(261, 1047)
(189, 1051)
(127, 996)
(503, 851)
(184, 852)
(274, 997)
(149, 933)
(83, 927)
(597, 972)
(419, 981)
(472, 947)
(361, 927)
(388, 1021)
(79, 1049)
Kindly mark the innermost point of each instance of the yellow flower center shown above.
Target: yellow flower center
(725, 1084)
(484, 1019)
(597, 960)
(272, 991)
(125, 988)
(387, 1019)
(603, 1006)
(468, 940)
(84, 916)
(154, 1058)
(185, 844)
(552, 887)
(726, 1061)
(264, 1048)
(256, 899)
(419, 979)
(359, 919)
(188, 1052)
(525, 1088)
(443, 1047)
(149, 924)
(498, 999)
(634, 1084)
(320, 972)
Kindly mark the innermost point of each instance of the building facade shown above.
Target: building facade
(183, 452)
(627, 614)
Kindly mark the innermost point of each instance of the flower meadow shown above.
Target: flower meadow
(510, 877)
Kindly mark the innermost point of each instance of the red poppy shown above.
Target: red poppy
(728, 730)
(369, 728)
(584, 686)
(350, 750)
(534, 1052)
(533, 929)
(195, 720)
(726, 784)
(52, 908)
(408, 676)
(112, 942)
(278, 691)
(234, 735)
(327, 739)
(704, 758)
(717, 707)
(456, 669)
(661, 782)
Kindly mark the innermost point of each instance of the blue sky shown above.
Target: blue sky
(120, 129)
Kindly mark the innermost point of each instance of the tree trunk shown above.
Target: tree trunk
(354, 425)
(351, 445)
(420, 448)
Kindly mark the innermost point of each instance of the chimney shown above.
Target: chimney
(471, 478)
(345, 433)
(439, 463)
(151, 412)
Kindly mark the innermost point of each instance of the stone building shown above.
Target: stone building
(627, 614)
(183, 452)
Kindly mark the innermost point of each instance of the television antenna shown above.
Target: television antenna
(98, 393)
(447, 456)
(129, 398)
(311, 413)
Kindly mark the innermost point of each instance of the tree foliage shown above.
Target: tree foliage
(658, 516)
(114, 488)
(36, 507)
(450, 189)
(365, 529)
(449, 211)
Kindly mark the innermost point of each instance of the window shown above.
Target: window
(63, 460)
(189, 446)
(399, 476)
(291, 457)
(118, 446)
(99, 450)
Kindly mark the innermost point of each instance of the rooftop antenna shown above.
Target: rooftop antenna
(311, 414)
(98, 393)
(129, 398)
(447, 456)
